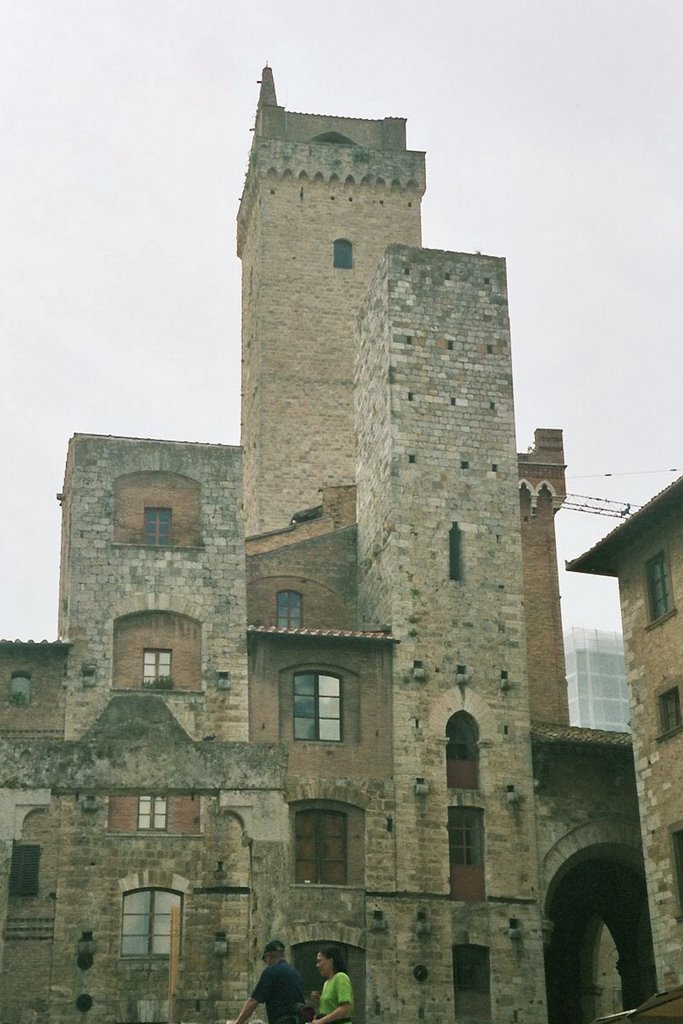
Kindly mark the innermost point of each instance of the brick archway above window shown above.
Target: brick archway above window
(158, 651)
(157, 509)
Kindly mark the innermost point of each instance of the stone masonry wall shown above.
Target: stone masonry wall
(434, 414)
(299, 310)
(654, 667)
(103, 581)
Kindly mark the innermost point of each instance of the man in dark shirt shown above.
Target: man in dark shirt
(279, 987)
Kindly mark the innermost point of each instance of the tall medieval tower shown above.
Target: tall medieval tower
(323, 198)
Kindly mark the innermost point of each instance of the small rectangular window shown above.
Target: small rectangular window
(670, 709)
(152, 813)
(156, 667)
(659, 592)
(320, 847)
(24, 869)
(288, 609)
(157, 527)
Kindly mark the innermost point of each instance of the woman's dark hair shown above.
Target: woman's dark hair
(335, 954)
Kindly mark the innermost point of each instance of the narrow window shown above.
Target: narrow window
(24, 869)
(454, 553)
(670, 709)
(657, 574)
(320, 842)
(156, 668)
(157, 527)
(289, 609)
(462, 752)
(677, 841)
(317, 707)
(147, 922)
(20, 688)
(466, 853)
(342, 254)
(152, 813)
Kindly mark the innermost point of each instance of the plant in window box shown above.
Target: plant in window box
(19, 698)
(160, 683)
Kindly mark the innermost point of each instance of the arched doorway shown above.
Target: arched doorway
(600, 937)
(303, 958)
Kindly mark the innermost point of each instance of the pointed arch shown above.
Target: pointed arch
(462, 751)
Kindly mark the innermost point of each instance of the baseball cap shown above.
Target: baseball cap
(274, 946)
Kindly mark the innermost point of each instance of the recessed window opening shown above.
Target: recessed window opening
(147, 922)
(464, 464)
(670, 709)
(157, 527)
(320, 847)
(342, 253)
(455, 553)
(20, 688)
(152, 813)
(317, 707)
(289, 609)
(156, 666)
(657, 574)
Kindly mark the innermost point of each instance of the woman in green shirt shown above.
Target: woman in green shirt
(335, 1002)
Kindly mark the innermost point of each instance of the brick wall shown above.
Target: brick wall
(134, 492)
(179, 634)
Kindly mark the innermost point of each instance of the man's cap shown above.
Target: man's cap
(274, 946)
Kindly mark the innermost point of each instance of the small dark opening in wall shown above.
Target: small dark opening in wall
(411, 458)
(406, 270)
(446, 276)
(410, 396)
(487, 280)
(417, 664)
(409, 205)
(450, 346)
(461, 670)
(454, 553)
(489, 349)
(492, 405)
(452, 401)
(464, 464)
(409, 339)
(503, 674)
(494, 467)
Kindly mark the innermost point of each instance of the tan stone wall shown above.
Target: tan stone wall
(104, 581)
(654, 665)
(436, 447)
(299, 311)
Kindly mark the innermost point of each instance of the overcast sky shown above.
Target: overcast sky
(553, 138)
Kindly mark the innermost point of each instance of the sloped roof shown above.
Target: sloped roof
(603, 557)
(551, 732)
(323, 634)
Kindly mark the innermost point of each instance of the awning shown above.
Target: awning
(663, 1006)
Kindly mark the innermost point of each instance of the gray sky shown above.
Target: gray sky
(553, 137)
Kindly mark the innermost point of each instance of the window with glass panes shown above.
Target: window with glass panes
(147, 922)
(157, 526)
(657, 573)
(317, 707)
(288, 607)
(156, 665)
(320, 847)
(152, 813)
(465, 835)
(670, 709)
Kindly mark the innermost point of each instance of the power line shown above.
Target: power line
(637, 472)
(600, 506)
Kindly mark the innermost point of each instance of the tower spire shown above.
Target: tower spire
(267, 97)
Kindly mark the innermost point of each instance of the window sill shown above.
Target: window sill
(670, 733)
(158, 548)
(160, 692)
(662, 618)
(323, 885)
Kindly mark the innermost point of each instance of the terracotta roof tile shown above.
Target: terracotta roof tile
(554, 733)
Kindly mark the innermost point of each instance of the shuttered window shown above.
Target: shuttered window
(24, 870)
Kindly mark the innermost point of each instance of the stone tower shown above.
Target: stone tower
(323, 198)
(440, 560)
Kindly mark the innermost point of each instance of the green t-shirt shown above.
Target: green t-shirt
(336, 990)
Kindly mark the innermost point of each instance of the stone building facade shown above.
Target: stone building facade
(349, 725)
(646, 555)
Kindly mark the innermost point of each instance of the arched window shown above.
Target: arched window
(289, 609)
(147, 921)
(462, 752)
(343, 254)
(20, 688)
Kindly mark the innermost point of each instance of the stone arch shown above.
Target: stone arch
(367, 180)
(287, 173)
(154, 878)
(303, 176)
(350, 180)
(141, 497)
(380, 181)
(338, 791)
(271, 172)
(319, 176)
(593, 877)
(620, 835)
(333, 179)
(157, 648)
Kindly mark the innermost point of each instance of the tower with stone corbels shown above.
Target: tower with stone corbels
(323, 198)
